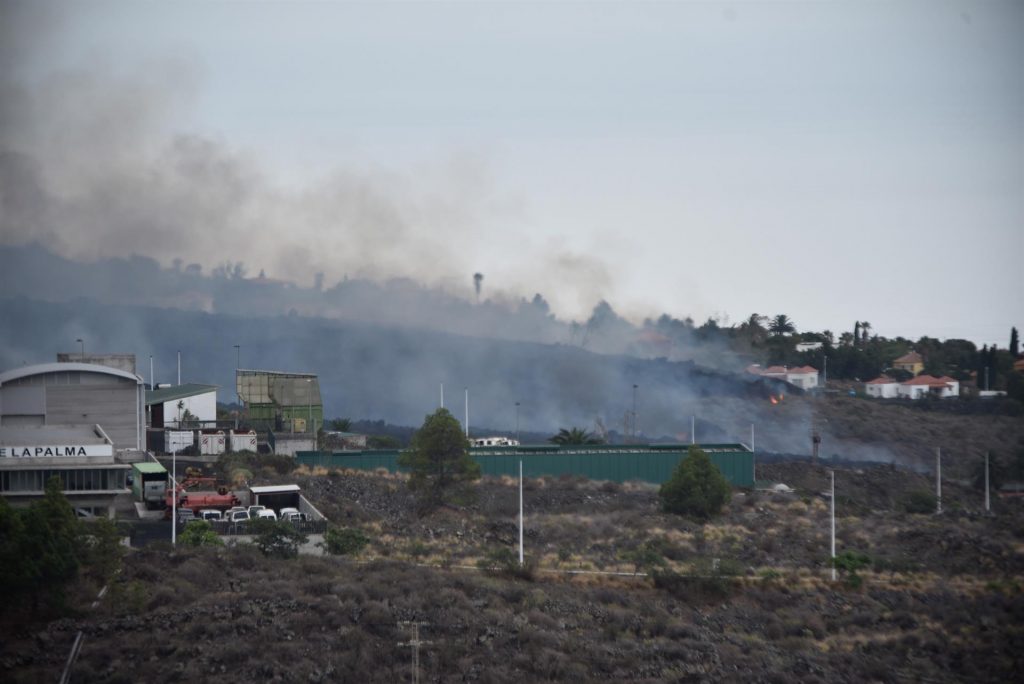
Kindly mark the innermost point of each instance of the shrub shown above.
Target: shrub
(344, 541)
(919, 501)
(504, 561)
(644, 557)
(697, 487)
(276, 539)
(848, 563)
(200, 533)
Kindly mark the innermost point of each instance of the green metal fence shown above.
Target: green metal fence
(619, 463)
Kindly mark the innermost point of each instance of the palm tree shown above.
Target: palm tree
(782, 325)
(574, 436)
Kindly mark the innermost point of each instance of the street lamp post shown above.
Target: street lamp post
(81, 342)
(634, 412)
(517, 423)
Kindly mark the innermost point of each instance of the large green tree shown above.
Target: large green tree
(697, 488)
(438, 457)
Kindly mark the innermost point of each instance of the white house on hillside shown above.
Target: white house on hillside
(882, 387)
(804, 377)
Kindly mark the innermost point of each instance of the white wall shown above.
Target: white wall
(202, 406)
(803, 380)
(889, 390)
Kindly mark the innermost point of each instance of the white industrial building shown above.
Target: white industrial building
(168, 406)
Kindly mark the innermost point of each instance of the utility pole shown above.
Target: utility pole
(635, 413)
(938, 480)
(753, 462)
(833, 497)
(520, 512)
(82, 342)
(414, 642)
(693, 429)
(824, 379)
(174, 496)
(152, 383)
(986, 375)
(987, 502)
(517, 424)
(442, 395)
(467, 413)
(179, 366)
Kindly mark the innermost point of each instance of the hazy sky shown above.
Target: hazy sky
(834, 161)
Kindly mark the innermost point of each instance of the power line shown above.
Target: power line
(414, 642)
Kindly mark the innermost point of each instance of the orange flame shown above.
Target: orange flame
(774, 400)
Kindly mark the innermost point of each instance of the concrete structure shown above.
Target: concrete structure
(807, 346)
(167, 405)
(290, 443)
(911, 362)
(123, 362)
(882, 387)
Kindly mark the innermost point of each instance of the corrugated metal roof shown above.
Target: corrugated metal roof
(149, 467)
(165, 394)
(44, 368)
(275, 489)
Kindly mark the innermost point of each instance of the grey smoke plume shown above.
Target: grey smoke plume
(102, 161)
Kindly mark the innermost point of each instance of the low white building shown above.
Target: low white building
(928, 385)
(882, 387)
(494, 441)
(807, 346)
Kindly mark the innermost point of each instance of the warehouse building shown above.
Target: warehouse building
(82, 422)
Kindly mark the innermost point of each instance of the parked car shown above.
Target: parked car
(239, 516)
(210, 514)
(186, 515)
(290, 514)
(227, 513)
(253, 510)
(266, 514)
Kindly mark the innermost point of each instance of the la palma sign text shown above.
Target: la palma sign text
(55, 451)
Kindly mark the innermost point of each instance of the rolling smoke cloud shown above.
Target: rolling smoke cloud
(94, 163)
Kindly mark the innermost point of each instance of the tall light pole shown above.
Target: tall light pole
(987, 506)
(520, 511)
(693, 429)
(517, 423)
(442, 395)
(179, 366)
(634, 412)
(753, 460)
(82, 342)
(824, 379)
(833, 505)
(152, 382)
(467, 412)
(174, 495)
(938, 479)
